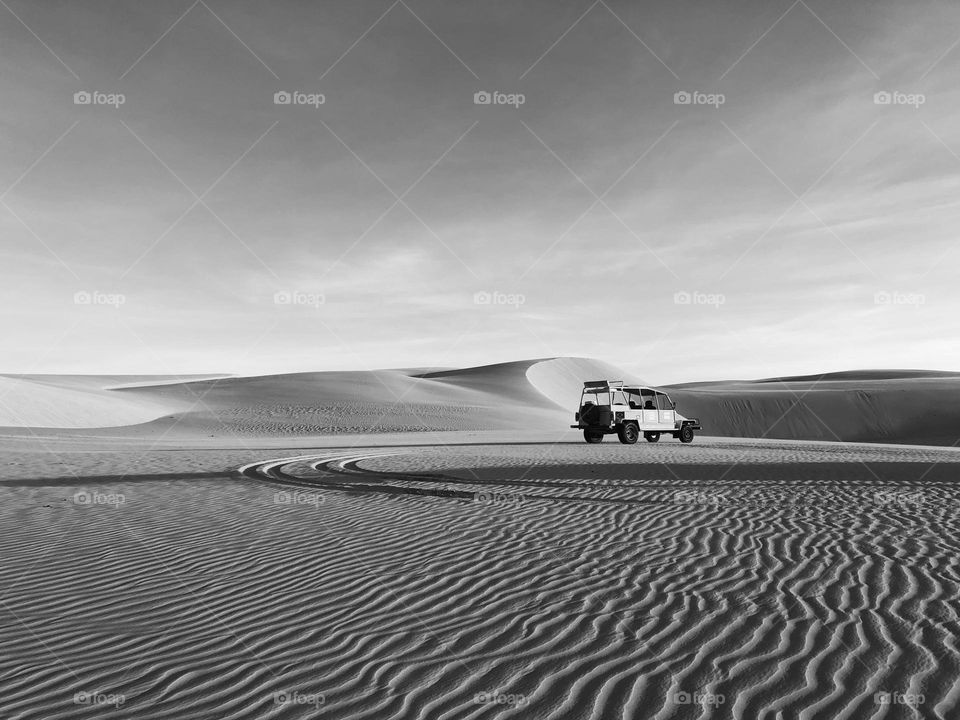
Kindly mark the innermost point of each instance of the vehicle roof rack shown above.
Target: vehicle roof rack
(602, 383)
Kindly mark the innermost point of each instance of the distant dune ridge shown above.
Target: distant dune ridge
(907, 406)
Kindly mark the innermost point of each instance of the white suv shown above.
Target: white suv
(609, 406)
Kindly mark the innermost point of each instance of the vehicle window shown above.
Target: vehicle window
(663, 401)
(649, 402)
(635, 400)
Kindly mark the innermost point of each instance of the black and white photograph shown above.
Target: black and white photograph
(475, 359)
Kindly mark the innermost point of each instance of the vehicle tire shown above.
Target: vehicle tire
(652, 436)
(593, 436)
(628, 433)
(686, 434)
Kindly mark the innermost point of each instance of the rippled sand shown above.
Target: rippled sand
(720, 579)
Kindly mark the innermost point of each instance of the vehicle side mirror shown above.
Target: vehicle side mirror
(673, 405)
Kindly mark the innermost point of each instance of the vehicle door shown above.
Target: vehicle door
(651, 415)
(667, 414)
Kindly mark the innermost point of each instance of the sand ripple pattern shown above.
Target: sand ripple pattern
(428, 584)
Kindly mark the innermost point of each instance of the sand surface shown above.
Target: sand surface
(885, 406)
(721, 579)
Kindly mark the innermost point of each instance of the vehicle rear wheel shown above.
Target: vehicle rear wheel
(652, 436)
(686, 434)
(593, 436)
(628, 433)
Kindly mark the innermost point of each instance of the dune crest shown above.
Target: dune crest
(31, 403)
(561, 379)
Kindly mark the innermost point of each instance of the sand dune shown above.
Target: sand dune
(493, 397)
(74, 403)
(907, 407)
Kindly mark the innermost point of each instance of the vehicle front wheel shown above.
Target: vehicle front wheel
(628, 433)
(652, 436)
(686, 434)
(593, 436)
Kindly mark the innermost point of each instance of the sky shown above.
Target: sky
(688, 190)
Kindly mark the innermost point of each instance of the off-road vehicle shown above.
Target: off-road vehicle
(609, 406)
